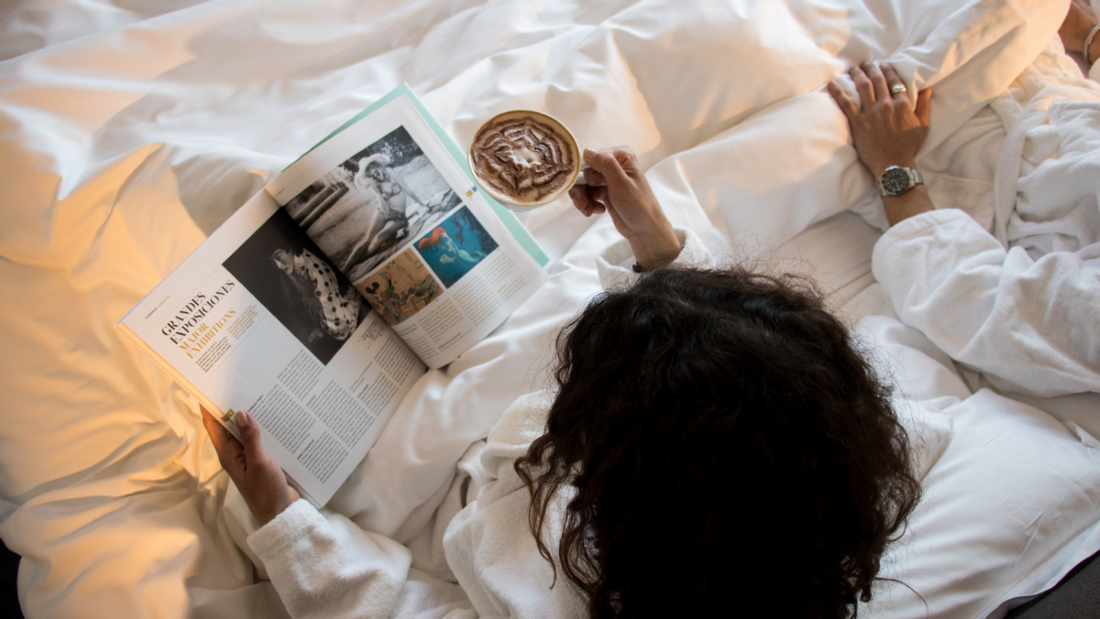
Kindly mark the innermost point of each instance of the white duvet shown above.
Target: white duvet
(130, 134)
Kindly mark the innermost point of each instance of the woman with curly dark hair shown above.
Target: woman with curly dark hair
(730, 411)
(715, 439)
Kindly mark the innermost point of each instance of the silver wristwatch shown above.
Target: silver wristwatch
(896, 180)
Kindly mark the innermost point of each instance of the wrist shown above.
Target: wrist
(1073, 36)
(911, 203)
(656, 250)
(266, 512)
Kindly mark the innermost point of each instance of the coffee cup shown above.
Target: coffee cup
(524, 159)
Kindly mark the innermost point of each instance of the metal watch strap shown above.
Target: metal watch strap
(912, 179)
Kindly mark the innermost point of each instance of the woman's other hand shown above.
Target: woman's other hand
(886, 131)
(260, 480)
(1079, 22)
(617, 185)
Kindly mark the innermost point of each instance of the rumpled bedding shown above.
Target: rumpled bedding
(129, 134)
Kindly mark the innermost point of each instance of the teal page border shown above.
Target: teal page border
(511, 222)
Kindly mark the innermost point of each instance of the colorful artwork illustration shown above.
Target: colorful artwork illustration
(455, 246)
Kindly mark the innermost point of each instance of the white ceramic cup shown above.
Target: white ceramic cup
(525, 159)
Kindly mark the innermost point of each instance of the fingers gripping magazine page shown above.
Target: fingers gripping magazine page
(397, 212)
(257, 319)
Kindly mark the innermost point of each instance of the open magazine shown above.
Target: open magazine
(273, 313)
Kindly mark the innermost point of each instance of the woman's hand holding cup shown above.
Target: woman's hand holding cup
(616, 184)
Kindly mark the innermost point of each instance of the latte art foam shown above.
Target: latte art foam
(523, 159)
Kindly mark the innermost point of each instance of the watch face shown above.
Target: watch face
(895, 181)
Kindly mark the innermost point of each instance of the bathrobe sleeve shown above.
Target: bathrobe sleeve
(615, 264)
(323, 565)
(1030, 326)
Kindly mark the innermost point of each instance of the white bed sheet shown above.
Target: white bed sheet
(130, 134)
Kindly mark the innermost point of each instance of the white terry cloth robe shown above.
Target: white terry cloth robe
(1021, 302)
(323, 565)
(1028, 325)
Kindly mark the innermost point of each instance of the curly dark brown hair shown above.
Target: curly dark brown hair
(720, 440)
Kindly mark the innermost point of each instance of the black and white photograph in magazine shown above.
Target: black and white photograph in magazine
(289, 276)
(363, 210)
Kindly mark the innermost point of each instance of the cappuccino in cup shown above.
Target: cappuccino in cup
(524, 159)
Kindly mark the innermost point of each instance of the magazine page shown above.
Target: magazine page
(257, 319)
(388, 202)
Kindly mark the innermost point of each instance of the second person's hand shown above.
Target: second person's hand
(885, 129)
(617, 185)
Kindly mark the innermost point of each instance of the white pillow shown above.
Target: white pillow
(1010, 505)
(924, 380)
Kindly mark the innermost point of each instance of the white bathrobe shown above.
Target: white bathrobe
(1028, 325)
(1020, 302)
